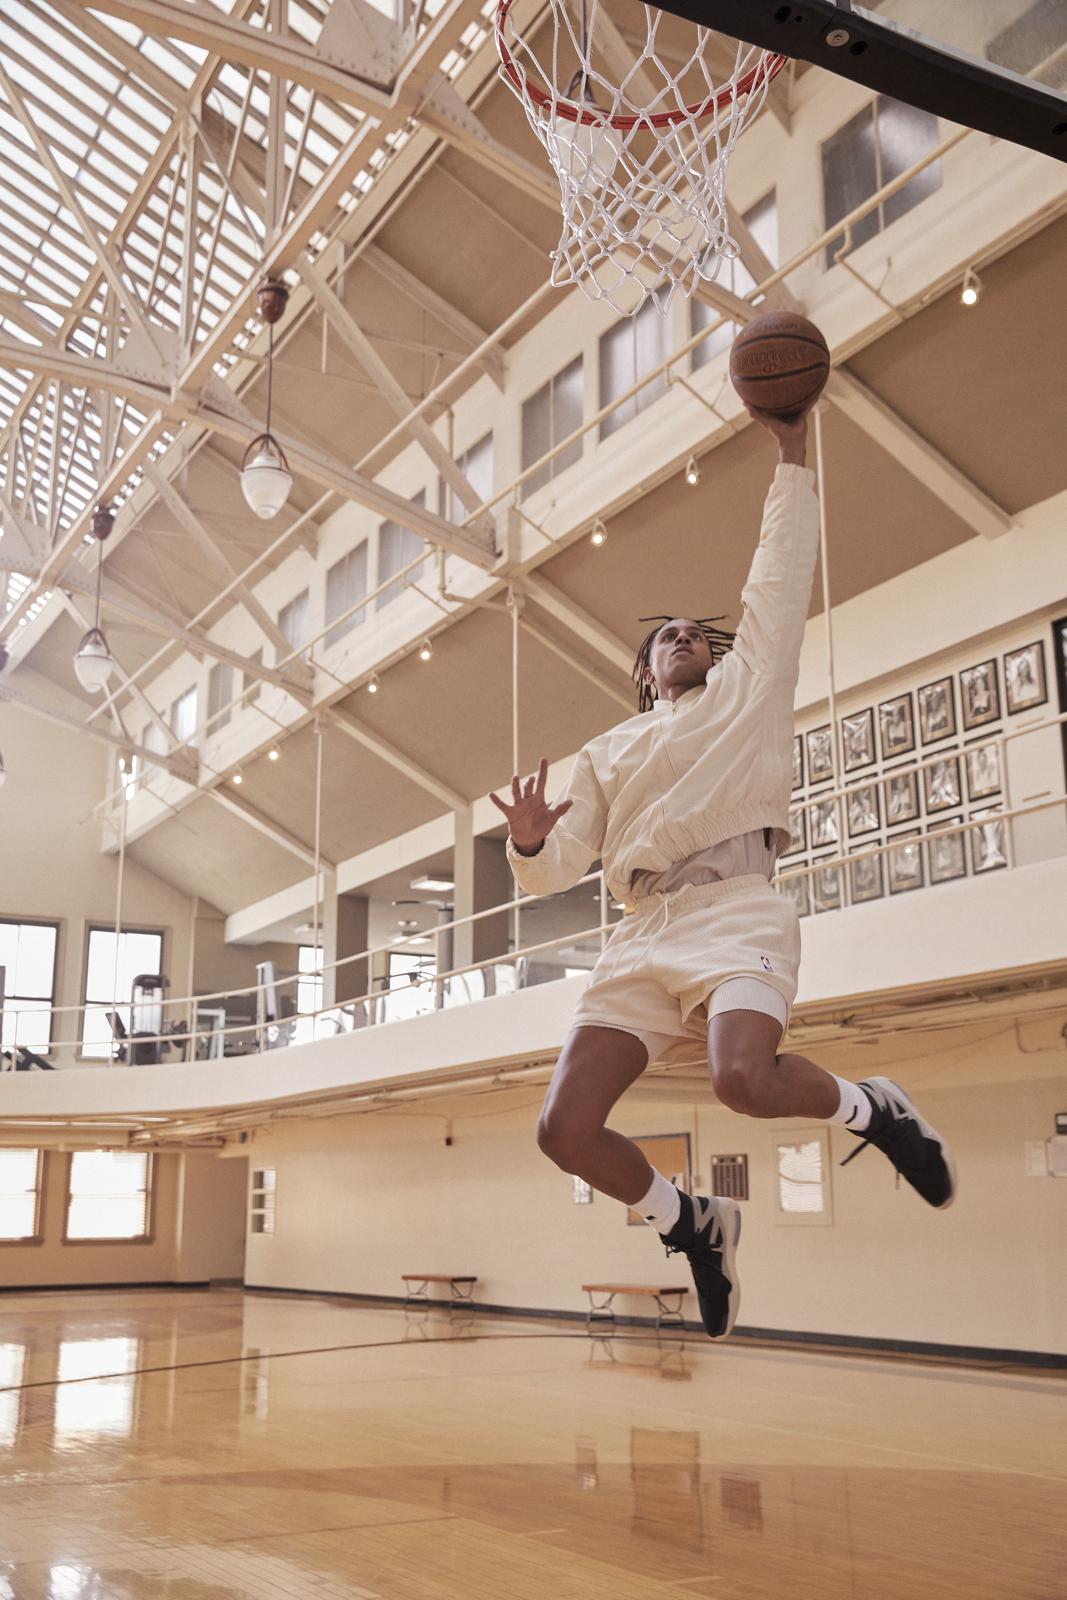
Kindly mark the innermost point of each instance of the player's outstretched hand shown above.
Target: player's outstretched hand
(530, 820)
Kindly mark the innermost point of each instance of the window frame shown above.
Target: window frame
(10, 998)
(557, 465)
(217, 720)
(627, 328)
(192, 692)
(338, 630)
(102, 927)
(149, 1235)
(871, 109)
(301, 651)
(37, 1236)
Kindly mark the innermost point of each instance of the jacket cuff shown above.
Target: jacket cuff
(789, 472)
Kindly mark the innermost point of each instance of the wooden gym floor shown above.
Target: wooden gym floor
(168, 1445)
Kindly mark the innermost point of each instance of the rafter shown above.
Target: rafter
(443, 310)
(580, 623)
(381, 747)
(178, 763)
(238, 806)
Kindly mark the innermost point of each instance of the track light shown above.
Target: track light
(373, 683)
(692, 472)
(237, 779)
(426, 651)
(972, 288)
(274, 754)
(599, 534)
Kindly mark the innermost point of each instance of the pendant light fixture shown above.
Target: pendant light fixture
(93, 662)
(265, 477)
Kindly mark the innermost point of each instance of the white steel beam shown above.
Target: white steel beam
(443, 310)
(576, 663)
(178, 763)
(347, 723)
(917, 455)
(352, 335)
(238, 806)
(580, 623)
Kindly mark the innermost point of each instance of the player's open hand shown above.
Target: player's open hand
(530, 819)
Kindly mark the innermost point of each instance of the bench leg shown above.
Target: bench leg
(419, 1296)
(599, 1313)
(671, 1314)
(461, 1297)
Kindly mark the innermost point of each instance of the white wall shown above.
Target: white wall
(363, 1199)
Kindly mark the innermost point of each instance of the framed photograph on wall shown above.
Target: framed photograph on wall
(798, 829)
(896, 726)
(979, 694)
(669, 1154)
(826, 888)
(795, 885)
(861, 802)
(937, 711)
(983, 771)
(866, 878)
(988, 844)
(823, 822)
(820, 754)
(1024, 677)
(857, 732)
(901, 797)
(946, 856)
(798, 761)
(941, 783)
(905, 862)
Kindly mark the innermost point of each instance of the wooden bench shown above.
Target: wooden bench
(460, 1287)
(666, 1312)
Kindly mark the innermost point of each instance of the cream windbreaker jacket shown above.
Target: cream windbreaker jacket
(719, 760)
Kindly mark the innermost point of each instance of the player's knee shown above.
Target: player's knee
(560, 1140)
(741, 1084)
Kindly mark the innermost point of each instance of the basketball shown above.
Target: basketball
(779, 362)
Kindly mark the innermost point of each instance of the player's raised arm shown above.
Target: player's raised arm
(530, 817)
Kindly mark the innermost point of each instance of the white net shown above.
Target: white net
(640, 137)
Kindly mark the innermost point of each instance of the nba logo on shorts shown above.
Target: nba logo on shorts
(766, 963)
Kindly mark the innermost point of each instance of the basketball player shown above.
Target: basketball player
(687, 805)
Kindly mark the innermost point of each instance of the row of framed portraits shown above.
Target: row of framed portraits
(932, 710)
(869, 804)
(915, 861)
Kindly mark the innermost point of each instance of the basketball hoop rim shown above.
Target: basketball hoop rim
(768, 67)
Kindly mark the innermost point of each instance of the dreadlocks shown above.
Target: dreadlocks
(719, 643)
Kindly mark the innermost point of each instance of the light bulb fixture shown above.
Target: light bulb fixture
(972, 288)
(274, 754)
(432, 881)
(692, 472)
(93, 661)
(374, 683)
(599, 534)
(238, 779)
(266, 481)
(426, 651)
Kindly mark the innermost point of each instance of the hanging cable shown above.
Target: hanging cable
(835, 732)
(118, 899)
(318, 856)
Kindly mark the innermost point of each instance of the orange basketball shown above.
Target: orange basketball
(779, 362)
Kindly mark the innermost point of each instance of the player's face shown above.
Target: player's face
(680, 655)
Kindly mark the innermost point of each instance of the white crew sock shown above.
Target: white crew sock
(662, 1205)
(855, 1108)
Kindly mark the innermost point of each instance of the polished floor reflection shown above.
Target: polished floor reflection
(161, 1445)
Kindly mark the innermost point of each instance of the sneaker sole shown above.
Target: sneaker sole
(930, 1133)
(730, 1219)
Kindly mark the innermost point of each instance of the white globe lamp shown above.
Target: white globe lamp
(266, 481)
(93, 662)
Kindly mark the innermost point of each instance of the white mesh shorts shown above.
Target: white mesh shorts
(677, 959)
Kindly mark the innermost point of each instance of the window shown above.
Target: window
(761, 221)
(346, 583)
(183, 716)
(1031, 41)
(108, 1195)
(397, 547)
(219, 695)
(252, 684)
(28, 958)
(20, 1193)
(309, 982)
(264, 1197)
(294, 620)
(875, 147)
(627, 351)
(108, 981)
(476, 465)
(548, 416)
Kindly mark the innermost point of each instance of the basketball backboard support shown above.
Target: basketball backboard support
(999, 66)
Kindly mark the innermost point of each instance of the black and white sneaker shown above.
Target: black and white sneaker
(707, 1232)
(917, 1151)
